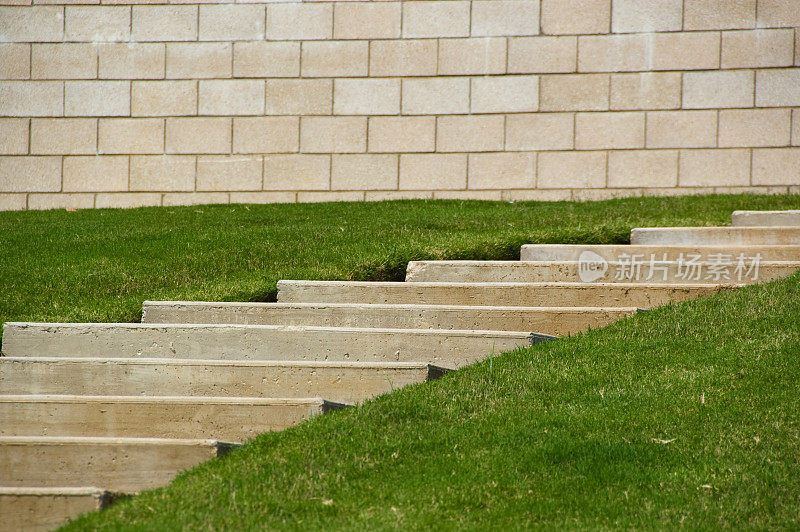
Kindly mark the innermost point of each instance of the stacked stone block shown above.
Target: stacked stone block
(127, 103)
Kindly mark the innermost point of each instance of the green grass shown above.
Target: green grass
(686, 415)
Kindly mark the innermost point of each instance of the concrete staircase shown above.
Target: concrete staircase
(88, 411)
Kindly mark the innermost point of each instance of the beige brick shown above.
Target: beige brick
(95, 173)
(321, 197)
(231, 97)
(433, 171)
(266, 59)
(367, 20)
(570, 169)
(131, 135)
(30, 174)
(301, 21)
(732, 88)
(13, 202)
(719, 14)
(263, 197)
(657, 90)
(164, 98)
(98, 23)
(199, 59)
(194, 198)
(297, 172)
(237, 172)
(574, 92)
(613, 53)
(480, 195)
(402, 134)
(699, 168)
(126, 200)
(777, 166)
(299, 96)
(393, 195)
(165, 23)
(413, 57)
(97, 98)
(198, 135)
(231, 22)
(502, 170)
(266, 134)
(796, 127)
(576, 16)
(335, 58)
(63, 136)
(31, 23)
(14, 136)
(542, 54)
(778, 13)
(162, 173)
(754, 127)
(364, 172)
(366, 96)
(470, 133)
(333, 134)
(685, 51)
(536, 195)
(642, 16)
(430, 96)
(46, 201)
(131, 61)
(757, 48)
(505, 17)
(609, 130)
(681, 129)
(436, 18)
(63, 61)
(508, 94)
(483, 55)
(16, 63)
(643, 168)
(778, 87)
(31, 98)
(539, 131)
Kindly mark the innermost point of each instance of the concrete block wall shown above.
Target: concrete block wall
(120, 103)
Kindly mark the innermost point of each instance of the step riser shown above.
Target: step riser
(721, 236)
(443, 348)
(553, 322)
(43, 512)
(612, 253)
(508, 295)
(766, 218)
(640, 271)
(109, 377)
(117, 419)
(121, 467)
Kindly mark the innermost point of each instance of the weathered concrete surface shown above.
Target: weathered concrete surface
(611, 253)
(221, 418)
(256, 342)
(512, 294)
(638, 270)
(345, 382)
(719, 236)
(547, 320)
(766, 218)
(126, 465)
(44, 509)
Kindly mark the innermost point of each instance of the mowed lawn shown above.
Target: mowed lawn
(688, 415)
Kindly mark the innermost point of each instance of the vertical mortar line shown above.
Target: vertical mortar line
(437, 56)
(397, 187)
(196, 170)
(165, 62)
(263, 170)
(369, 58)
(508, 50)
(574, 129)
(129, 173)
(505, 132)
(540, 16)
(719, 60)
(467, 169)
(751, 167)
(717, 134)
(469, 29)
(791, 127)
(678, 170)
(330, 171)
(30, 127)
(683, 15)
(608, 152)
(30, 61)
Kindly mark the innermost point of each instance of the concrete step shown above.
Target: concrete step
(547, 320)
(125, 465)
(725, 270)
(616, 253)
(766, 218)
(344, 382)
(513, 294)
(222, 418)
(719, 236)
(45, 509)
(256, 342)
